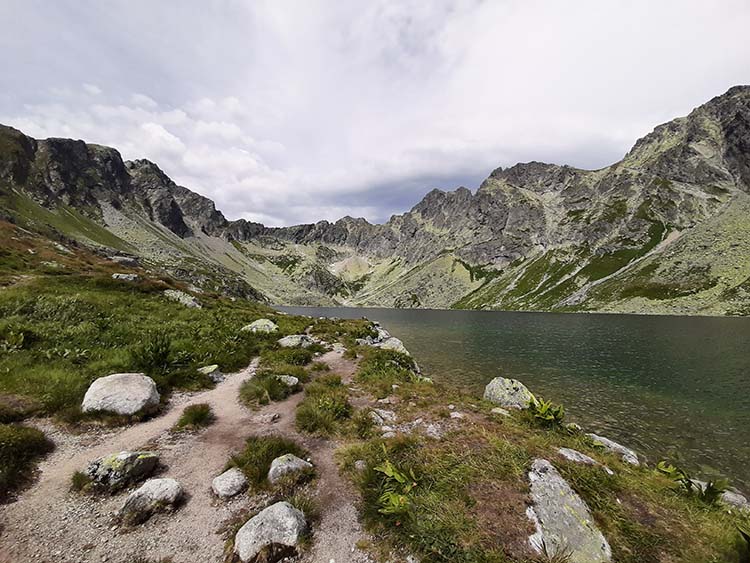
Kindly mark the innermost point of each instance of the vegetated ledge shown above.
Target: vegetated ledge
(446, 476)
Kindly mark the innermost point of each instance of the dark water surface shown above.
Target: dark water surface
(669, 387)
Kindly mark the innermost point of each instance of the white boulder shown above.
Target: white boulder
(286, 464)
(627, 455)
(182, 297)
(295, 341)
(155, 495)
(508, 393)
(230, 483)
(274, 532)
(121, 393)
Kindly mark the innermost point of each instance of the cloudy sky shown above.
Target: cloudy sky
(293, 111)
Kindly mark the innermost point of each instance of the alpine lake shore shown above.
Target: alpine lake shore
(142, 420)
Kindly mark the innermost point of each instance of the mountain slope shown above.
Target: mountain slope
(663, 230)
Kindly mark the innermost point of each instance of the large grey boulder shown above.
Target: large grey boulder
(121, 393)
(155, 495)
(285, 465)
(274, 533)
(508, 393)
(564, 525)
(230, 483)
(182, 297)
(626, 454)
(261, 325)
(295, 341)
(393, 343)
(116, 471)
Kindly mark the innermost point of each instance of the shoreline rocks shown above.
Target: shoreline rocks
(508, 393)
(564, 524)
(626, 454)
(121, 393)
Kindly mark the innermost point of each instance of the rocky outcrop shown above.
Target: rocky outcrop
(121, 393)
(508, 393)
(182, 298)
(296, 341)
(261, 325)
(287, 464)
(117, 471)
(126, 277)
(626, 454)
(273, 534)
(155, 495)
(564, 525)
(230, 483)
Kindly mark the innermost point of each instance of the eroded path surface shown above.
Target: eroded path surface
(48, 523)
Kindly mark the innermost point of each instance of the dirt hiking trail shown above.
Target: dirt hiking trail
(49, 523)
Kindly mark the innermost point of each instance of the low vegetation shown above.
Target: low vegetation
(20, 448)
(325, 404)
(194, 417)
(256, 457)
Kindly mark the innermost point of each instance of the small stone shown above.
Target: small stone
(155, 495)
(360, 465)
(457, 415)
(288, 380)
(578, 457)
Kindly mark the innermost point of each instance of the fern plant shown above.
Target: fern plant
(397, 485)
(546, 412)
(709, 492)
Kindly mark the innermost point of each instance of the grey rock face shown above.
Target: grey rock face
(155, 495)
(275, 532)
(183, 298)
(129, 261)
(508, 393)
(627, 455)
(126, 277)
(393, 343)
(117, 471)
(212, 372)
(285, 465)
(295, 341)
(261, 325)
(230, 483)
(578, 457)
(121, 393)
(563, 521)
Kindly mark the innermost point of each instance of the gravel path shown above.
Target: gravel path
(48, 523)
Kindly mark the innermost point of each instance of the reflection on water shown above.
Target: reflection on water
(676, 387)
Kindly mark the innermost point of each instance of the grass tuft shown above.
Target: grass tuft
(255, 459)
(195, 417)
(20, 447)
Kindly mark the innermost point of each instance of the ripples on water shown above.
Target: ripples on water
(674, 387)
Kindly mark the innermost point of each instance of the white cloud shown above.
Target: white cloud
(288, 112)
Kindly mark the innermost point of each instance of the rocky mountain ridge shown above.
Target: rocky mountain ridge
(663, 230)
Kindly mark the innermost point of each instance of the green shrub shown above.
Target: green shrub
(363, 423)
(546, 413)
(154, 355)
(196, 416)
(255, 459)
(20, 446)
(709, 493)
(264, 388)
(396, 485)
(79, 481)
(292, 356)
(326, 402)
